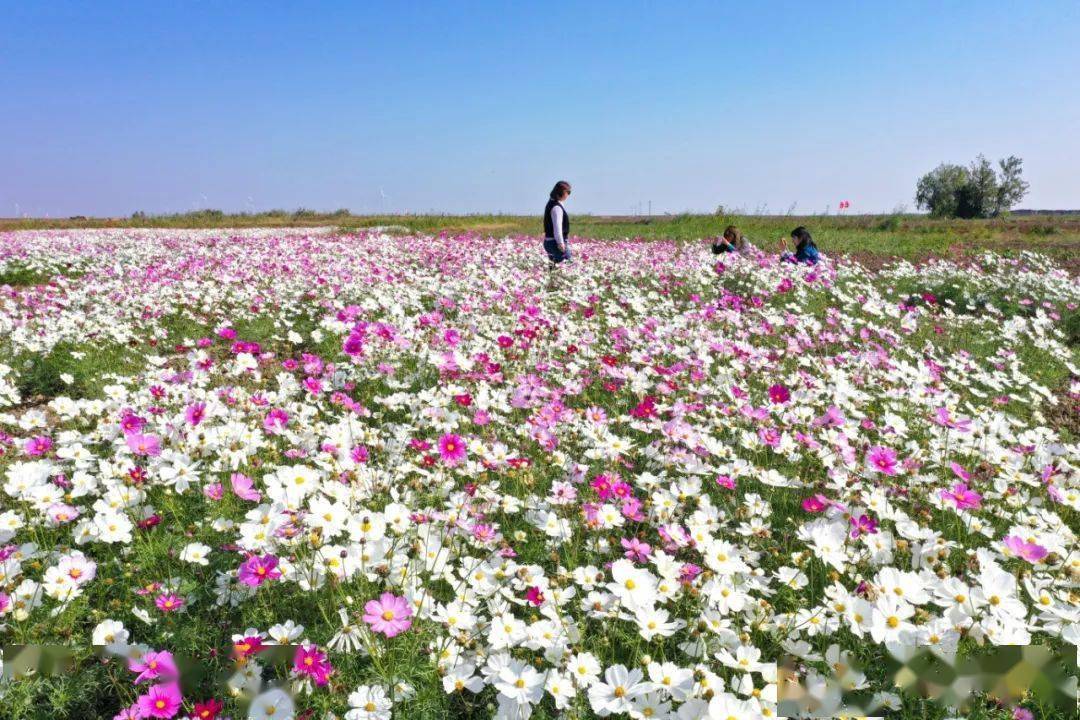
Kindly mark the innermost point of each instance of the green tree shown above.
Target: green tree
(1011, 187)
(976, 191)
(939, 190)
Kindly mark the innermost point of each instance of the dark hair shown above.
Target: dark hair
(732, 234)
(801, 234)
(560, 187)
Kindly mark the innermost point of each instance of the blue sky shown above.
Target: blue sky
(107, 107)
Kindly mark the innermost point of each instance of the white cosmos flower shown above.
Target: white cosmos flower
(195, 553)
(614, 693)
(369, 702)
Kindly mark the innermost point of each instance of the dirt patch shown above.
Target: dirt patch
(1065, 416)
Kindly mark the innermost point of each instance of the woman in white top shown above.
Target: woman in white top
(557, 224)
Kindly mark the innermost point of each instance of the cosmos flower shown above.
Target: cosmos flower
(962, 497)
(882, 460)
(275, 421)
(144, 445)
(153, 665)
(313, 663)
(1030, 551)
(160, 701)
(452, 449)
(863, 525)
(207, 710)
(169, 602)
(259, 569)
(390, 615)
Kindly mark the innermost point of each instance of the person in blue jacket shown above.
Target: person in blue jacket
(805, 249)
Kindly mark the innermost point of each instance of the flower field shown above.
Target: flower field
(456, 484)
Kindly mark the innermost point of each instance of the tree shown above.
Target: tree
(973, 192)
(938, 191)
(1011, 188)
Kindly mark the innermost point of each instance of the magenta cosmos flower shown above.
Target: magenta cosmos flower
(161, 701)
(815, 503)
(195, 413)
(389, 615)
(962, 497)
(779, 394)
(169, 602)
(863, 525)
(882, 459)
(1032, 552)
(37, 446)
(312, 662)
(275, 421)
(258, 569)
(451, 449)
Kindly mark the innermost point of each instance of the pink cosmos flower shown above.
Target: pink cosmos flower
(161, 701)
(962, 497)
(631, 509)
(1032, 552)
(481, 417)
(562, 493)
(725, 482)
(5, 603)
(636, 550)
(214, 491)
(882, 459)
(130, 422)
(833, 417)
(1020, 713)
(484, 532)
(960, 472)
(689, 572)
(275, 421)
(195, 413)
(451, 449)
(60, 513)
(37, 446)
(144, 445)
(944, 418)
(311, 661)
(863, 525)
(169, 602)
(244, 487)
(154, 666)
(258, 569)
(389, 615)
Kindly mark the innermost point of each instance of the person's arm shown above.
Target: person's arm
(556, 224)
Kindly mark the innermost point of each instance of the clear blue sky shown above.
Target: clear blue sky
(108, 107)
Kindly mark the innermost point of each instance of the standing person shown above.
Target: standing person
(805, 249)
(557, 224)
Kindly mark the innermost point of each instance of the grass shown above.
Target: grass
(17, 275)
(89, 368)
(912, 237)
